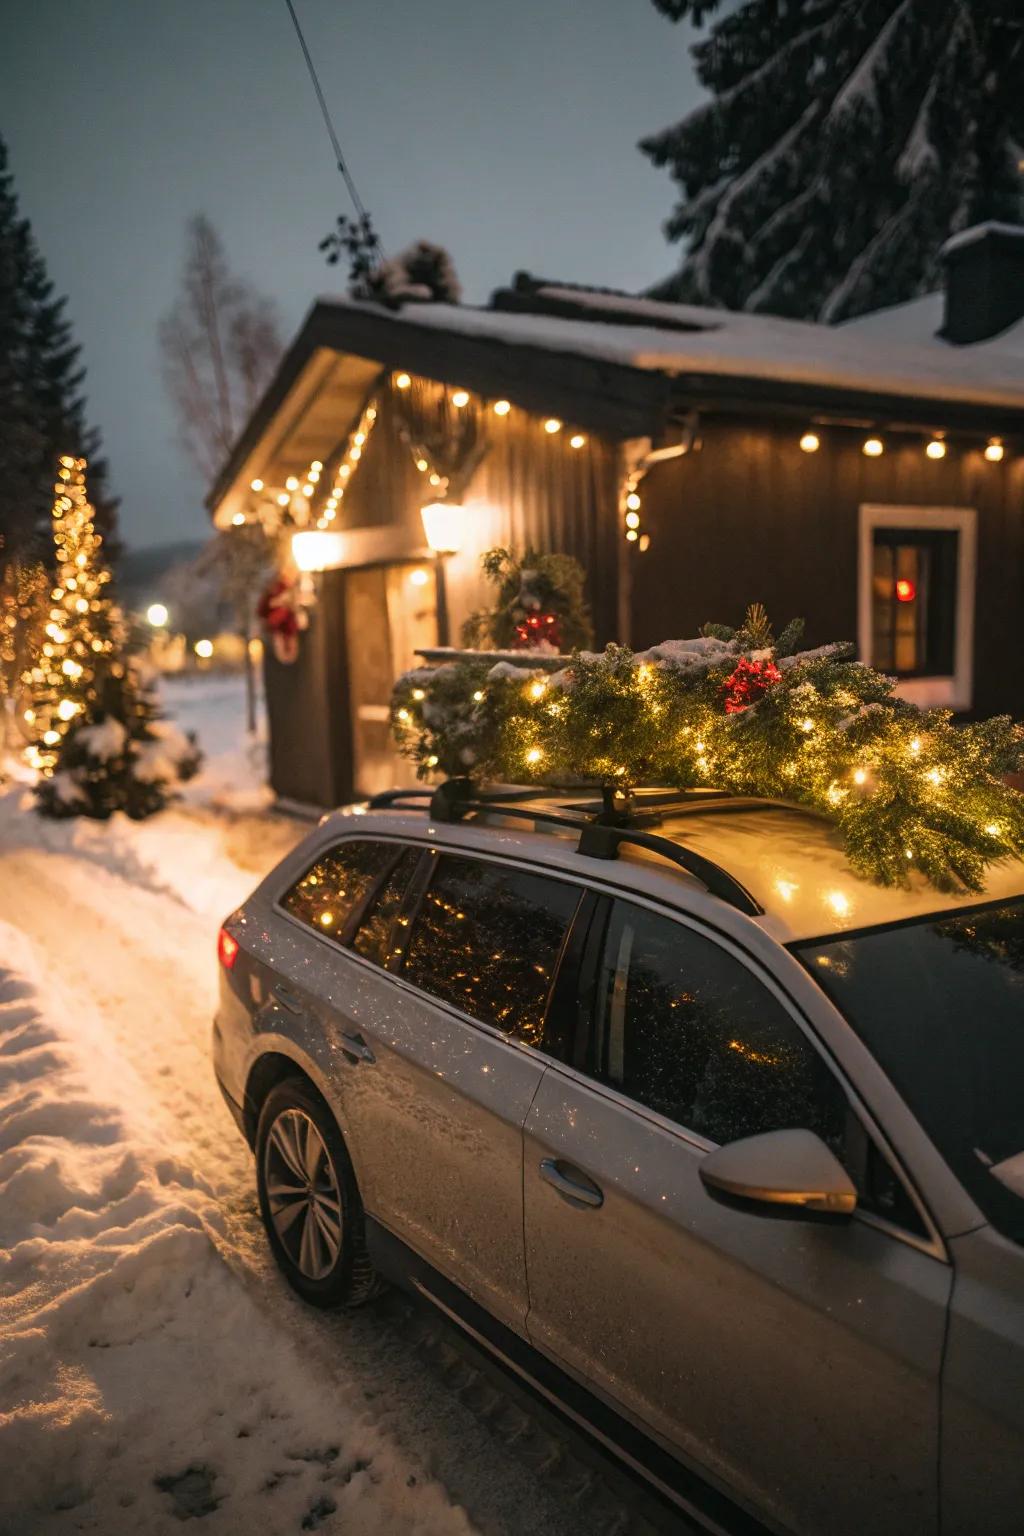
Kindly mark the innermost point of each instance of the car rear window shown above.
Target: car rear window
(336, 884)
(940, 1004)
(487, 939)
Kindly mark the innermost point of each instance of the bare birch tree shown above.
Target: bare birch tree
(219, 345)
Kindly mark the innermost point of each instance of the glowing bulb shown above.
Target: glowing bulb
(355, 454)
(326, 919)
(404, 716)
(418, 694)
(632, 519)
(810, 442)
(256, 485)
(994, 829)
(422, 466)
(936, 449)
(203, 648)
(403, 381)
(632, 535)
(307, 489)
(316, 467)
(994, 450)
(460, 398)
(478, 696)
(552, 425)
(359, 439)
(915, 744)
(860, 776)
(934, 775)
(238, 519)
(502, 407)
(873, 447)
(432, 760)
(291, 484)
(633, 501)
(534, 755)
(82, 605)
(419, 577)
(51, 737)
(807, 725)
(283, 499)
(157, 615)
(577, 440)
(537, 689)
(67, 709)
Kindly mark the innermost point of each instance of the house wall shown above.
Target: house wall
(531, 487)
(750, 517)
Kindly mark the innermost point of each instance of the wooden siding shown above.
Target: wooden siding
(750, 517)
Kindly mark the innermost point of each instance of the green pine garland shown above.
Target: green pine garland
(908, 789)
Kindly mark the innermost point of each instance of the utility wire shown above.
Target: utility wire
(353, 192)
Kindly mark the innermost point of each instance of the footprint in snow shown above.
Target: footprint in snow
(191, 1491)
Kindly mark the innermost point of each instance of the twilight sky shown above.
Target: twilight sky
(503, 129)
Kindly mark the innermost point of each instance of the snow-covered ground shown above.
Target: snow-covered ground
(153, 1366)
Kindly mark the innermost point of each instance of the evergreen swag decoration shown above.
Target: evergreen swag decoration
(539, 604)
(739, 710)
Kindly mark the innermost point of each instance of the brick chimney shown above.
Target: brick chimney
(984, 281)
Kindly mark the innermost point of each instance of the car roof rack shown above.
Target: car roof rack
(603, 826)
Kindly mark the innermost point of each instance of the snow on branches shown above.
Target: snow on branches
(741, 711)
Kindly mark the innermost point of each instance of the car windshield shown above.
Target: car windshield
(940, 1005)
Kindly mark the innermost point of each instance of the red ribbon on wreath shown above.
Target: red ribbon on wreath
(283, 617)
(749, 682)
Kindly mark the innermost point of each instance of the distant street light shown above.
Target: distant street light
(157, 615)
(203, 649)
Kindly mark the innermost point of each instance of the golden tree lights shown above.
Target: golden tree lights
(81, 627)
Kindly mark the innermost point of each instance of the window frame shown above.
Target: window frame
(933, 1244)
(953, 690)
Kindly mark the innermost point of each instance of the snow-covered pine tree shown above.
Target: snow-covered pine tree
(844, 141)
(42, 410)
(101, 744)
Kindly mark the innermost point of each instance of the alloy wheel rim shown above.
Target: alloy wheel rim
(303, 1194)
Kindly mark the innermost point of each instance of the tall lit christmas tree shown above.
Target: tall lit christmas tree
(100, 744)
(62, 682)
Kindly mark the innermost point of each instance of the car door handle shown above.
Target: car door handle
(356, 1048)
(579, 1190)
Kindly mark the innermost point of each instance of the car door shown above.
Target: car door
(794, 1365)
(440, 1015)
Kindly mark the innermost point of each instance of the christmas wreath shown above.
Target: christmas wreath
(739, 710)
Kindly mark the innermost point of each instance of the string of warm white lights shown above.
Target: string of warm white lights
(874, 446)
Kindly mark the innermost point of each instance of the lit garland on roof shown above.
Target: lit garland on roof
(737, 710)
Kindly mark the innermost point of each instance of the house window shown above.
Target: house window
(916, 601)
(913, 601)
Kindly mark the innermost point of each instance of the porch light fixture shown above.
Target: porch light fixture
(936, 449)
(810, 442)
(994, 450)
(442, 525)
(318, 549)
(873, 448)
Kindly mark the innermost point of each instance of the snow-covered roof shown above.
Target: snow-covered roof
(899, 355)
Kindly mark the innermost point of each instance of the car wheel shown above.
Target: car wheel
(309, 1200)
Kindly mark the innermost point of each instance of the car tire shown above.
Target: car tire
(309, 1199)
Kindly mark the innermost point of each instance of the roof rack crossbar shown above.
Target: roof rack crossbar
(599, 838)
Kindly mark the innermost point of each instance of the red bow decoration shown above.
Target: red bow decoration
(538, 629)
(749, 683)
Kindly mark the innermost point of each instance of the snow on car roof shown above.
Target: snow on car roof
(914, 362)
(795, 866)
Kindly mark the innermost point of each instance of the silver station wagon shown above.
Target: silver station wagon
(718, 1146)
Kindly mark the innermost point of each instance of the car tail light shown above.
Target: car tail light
(227, 949)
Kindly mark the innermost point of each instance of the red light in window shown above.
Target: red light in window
(227, 949)
(906, 591)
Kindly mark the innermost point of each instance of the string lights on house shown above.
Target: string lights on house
(936, 446)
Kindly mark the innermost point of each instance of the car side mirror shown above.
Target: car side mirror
(780, 1173)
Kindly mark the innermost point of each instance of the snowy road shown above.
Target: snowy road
(152, 1363)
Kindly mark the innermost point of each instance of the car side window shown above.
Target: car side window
(487, 939)
(371, 939)
(683, 1027)
(332, 888)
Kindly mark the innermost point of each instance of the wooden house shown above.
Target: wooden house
(869, 477)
